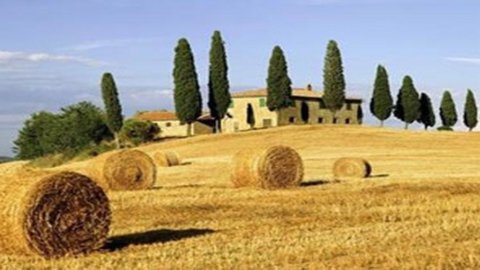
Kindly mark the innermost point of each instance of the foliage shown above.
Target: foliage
(448, 113)
(408, 103)
(73, 129)
(112, 103)
(138, 131)
(333, 79)
(444, 128)
(426, 115)
(218, 86)
(187, 98)
(279, 88)
(470, 116)
(381, 103)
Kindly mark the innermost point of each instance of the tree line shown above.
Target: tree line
(411, 107)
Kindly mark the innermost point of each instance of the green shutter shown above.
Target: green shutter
(263, 103)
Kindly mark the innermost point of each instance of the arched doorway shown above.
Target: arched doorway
(305, 113)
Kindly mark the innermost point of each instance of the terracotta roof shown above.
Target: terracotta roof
(296, 92)
(157, 116)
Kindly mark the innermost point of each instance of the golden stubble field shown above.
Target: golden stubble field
(420, 209)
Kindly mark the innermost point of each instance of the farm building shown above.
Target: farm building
(308, 108)
(170, 126)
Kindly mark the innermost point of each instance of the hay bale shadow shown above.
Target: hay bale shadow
(116, 243)
(318, 183)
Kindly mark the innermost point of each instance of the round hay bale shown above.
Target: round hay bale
(352, 167)
(118, 170)
(270, 168)
(52, 214)
(129, 170)
(166, 158)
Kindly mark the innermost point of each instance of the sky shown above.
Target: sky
(53, 53)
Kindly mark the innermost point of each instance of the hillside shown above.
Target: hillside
(419, 209)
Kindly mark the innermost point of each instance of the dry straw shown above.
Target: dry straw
(52, 214)
(352, 167)
(120, 170)
(270, 168)
(166, 158)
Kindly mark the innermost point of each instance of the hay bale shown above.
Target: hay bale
(270, 168)
(352, 167)
(118, 170)
(52, 214)
(166, 158)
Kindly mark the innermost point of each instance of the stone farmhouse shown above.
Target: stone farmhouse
(308, 108)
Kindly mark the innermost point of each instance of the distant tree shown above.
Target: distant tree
(112, 106)
(360, 114)
(470, 117)
(279, 90)
(187, 97)
(138, 131)
(35, 137)
(250, 116)
(218, 85)
(333, 79)
(408, 103)
(426, 115)
(381, 103)
(448, 113)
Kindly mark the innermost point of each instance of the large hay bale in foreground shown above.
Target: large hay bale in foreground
(120, 170)
(52, 214)
(352, 167)
(270, 168)
(166, 158)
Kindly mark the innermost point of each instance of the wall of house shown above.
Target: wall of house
(238, 112)
(202, 128)
(171, 128)
(317, 113)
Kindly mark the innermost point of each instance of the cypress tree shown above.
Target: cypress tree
(186, 92)
(470, 117)
(279, 90)
(218, 86)
(426, 115)
(250, 116)
(448, 113)
(381, 102)
(333, 79)
(112, 106)
(408, 104)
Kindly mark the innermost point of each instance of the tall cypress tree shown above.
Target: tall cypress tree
(448, 113)
(333, 79)
(470, 117)
(112, 106)
(187, 97)
(250, 116)
(426, 115)
(381, 103)
(279, 90)
(218, 86)
(408, 103)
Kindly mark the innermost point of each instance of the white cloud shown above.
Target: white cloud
(467, 60)
(98, 44)
(16, 57)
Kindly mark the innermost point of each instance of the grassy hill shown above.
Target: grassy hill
(420, 209)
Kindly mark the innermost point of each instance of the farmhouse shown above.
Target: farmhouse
(170, 125)
(308, 108)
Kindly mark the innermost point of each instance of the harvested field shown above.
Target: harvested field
(419, 208)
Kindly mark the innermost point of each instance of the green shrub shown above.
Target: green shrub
(137, 131)
(444, 128)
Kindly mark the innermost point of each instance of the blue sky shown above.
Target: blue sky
(53, 53)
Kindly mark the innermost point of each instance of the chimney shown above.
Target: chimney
(309, 87)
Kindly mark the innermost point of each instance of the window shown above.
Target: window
(231, 104)
(321, 104)
(349, 106)
(263, 102)
(347, 121)
(291, 120)
(320, 120)
(168, 124)
(267, 123)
